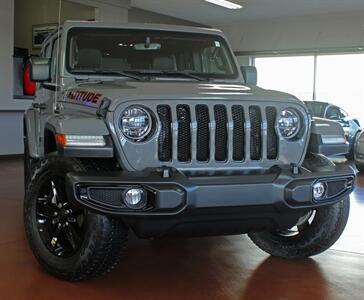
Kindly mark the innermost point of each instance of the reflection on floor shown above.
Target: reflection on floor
(353, 238)
(204, 268)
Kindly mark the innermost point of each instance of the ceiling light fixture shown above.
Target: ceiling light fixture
(225, 3)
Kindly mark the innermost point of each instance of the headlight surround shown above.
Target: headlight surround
(136, 123)
(289, 123)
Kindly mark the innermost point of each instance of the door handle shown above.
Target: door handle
(40, 106)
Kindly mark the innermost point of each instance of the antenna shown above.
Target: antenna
(57, 54)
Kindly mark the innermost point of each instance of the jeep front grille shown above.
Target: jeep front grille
(204, 133)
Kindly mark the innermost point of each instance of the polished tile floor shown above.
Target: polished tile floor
(204, 268)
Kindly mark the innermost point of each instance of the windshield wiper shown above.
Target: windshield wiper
(161, 72)
(109, 72)
(186, 74)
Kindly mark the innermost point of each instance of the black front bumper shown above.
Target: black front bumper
(216, 204)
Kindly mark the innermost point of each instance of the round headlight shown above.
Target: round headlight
(289, 123)
(136, 123)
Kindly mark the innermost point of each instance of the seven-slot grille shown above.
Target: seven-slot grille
(208, 133)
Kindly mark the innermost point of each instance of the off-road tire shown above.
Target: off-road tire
(104, 238)
(351, 155)
(326, 228)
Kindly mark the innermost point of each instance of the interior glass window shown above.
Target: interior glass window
(291, 74)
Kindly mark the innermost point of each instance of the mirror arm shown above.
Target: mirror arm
(50, 86)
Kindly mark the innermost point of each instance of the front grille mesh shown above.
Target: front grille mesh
(165, 137)
(238, 133)
(272, 137)
(110, 197)
(218, 133)
(255, 133)
(203, 133)
(184, 133)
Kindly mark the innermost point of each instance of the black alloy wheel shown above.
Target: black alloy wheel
(60, 224)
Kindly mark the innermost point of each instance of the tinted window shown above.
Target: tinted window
(316, 108)
(113, 50)
(334, 112)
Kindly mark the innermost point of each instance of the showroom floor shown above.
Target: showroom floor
(204, 268)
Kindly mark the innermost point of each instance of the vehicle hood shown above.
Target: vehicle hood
(120, 91)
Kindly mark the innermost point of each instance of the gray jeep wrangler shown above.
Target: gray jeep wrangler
(155, 129)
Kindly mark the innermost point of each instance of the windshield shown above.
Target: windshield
(148, 52)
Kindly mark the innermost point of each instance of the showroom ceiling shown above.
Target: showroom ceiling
(206, 13)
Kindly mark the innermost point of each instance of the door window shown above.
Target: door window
(334, 112)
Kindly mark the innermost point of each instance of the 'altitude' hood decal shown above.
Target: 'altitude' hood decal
(90, 99)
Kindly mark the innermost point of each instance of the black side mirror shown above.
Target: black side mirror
(250, 74)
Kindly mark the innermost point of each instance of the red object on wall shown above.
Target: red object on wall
(28, 85)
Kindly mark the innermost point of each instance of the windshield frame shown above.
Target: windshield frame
(208, 76)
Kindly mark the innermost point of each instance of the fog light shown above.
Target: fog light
(319, 190)
(135, 198)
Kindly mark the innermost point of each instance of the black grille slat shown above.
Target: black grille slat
(165, 136)
(255, 133)
(184, 133)
(203, 133)
(272, 137)
(221, 133)
(238, 133)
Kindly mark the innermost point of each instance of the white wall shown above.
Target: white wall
(35, 12)
(143, 16)
(309, 32)
(11, 111)
(109, 10)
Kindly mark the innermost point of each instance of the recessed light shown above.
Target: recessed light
(226, 4)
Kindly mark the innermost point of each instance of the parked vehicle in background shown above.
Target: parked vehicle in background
(329, 111)
(328, 138)
(359, 152)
